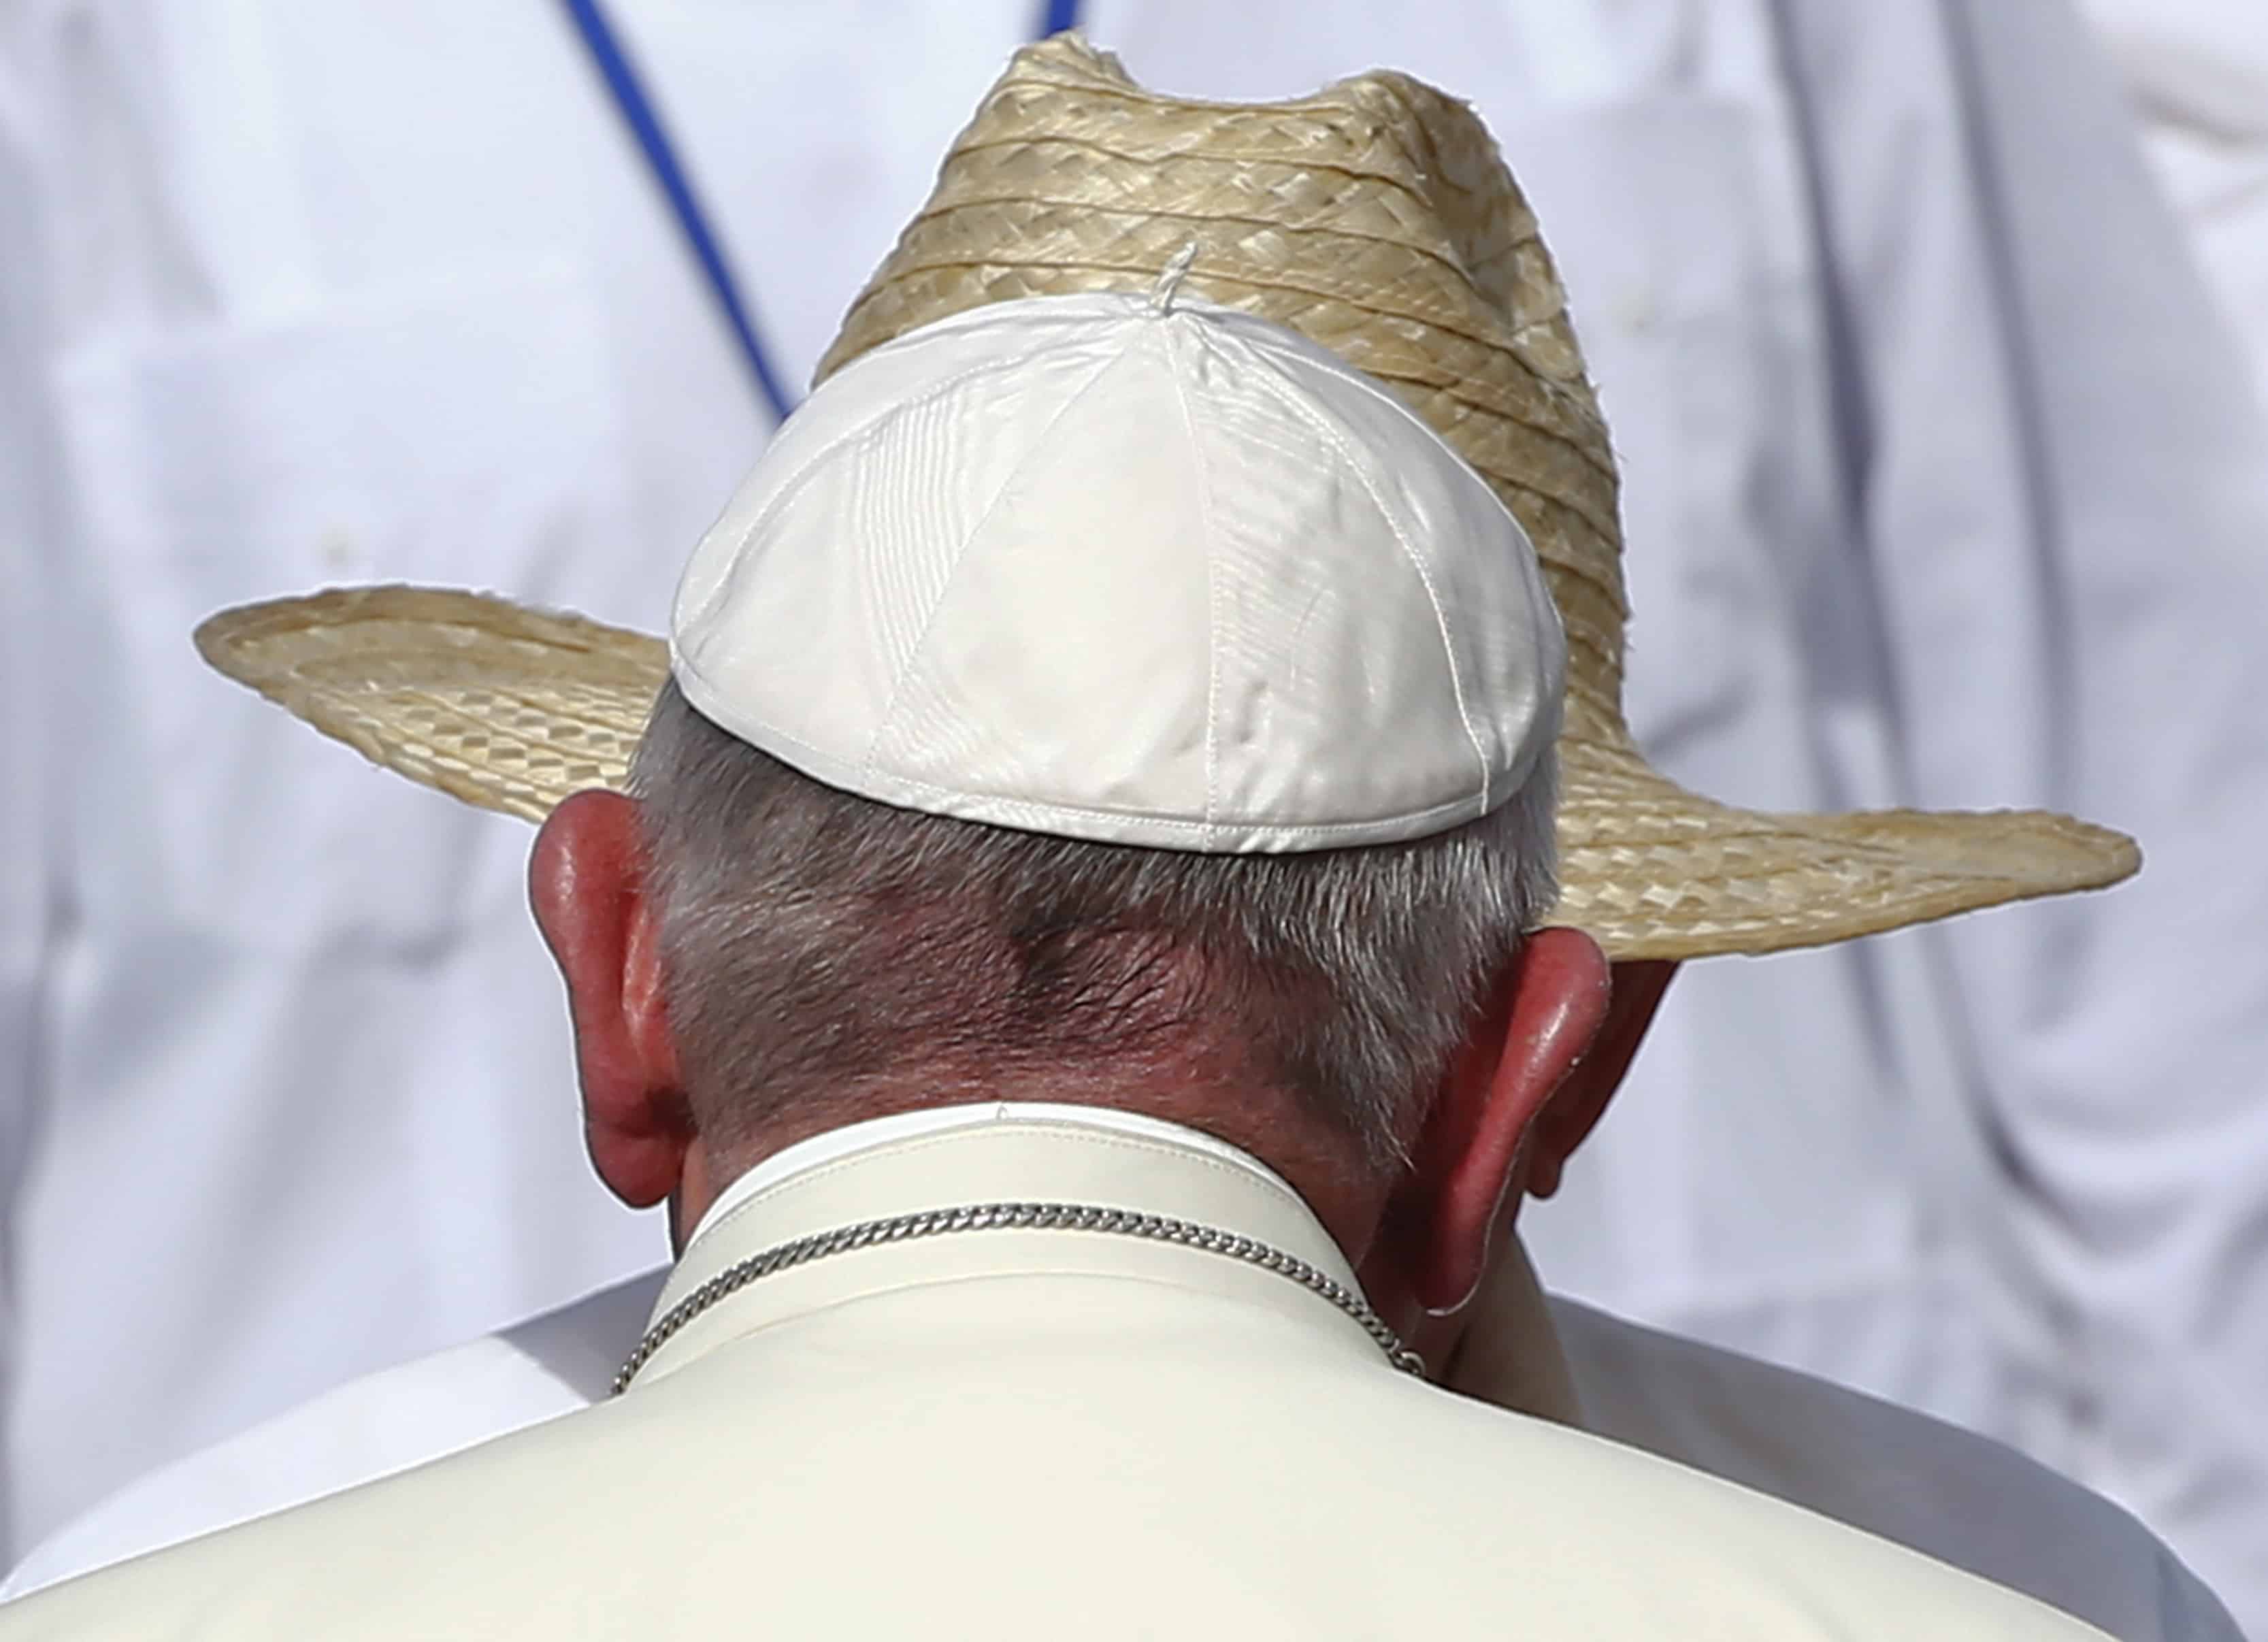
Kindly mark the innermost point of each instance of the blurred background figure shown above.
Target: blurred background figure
(1944, 485)
(2195, 72)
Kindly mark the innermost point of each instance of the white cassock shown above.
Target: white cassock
(1895, 1473)
(1941, 489)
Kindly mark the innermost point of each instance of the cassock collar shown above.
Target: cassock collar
(833, 1144)
(1031, 1151)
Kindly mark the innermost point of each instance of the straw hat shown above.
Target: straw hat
(1378, 218)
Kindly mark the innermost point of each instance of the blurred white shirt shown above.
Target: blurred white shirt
(1941, 488)
(295, 295)
(2196, 73)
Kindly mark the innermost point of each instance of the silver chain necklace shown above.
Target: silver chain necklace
(1002, 1217)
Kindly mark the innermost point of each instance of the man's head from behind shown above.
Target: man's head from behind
(753, 956)
(1097, 701)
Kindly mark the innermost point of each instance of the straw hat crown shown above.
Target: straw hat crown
(1378, 218)
(1375, 218)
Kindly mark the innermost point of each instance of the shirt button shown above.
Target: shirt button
(339, 552)
(1637, 311)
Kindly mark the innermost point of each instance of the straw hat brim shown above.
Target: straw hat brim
(513, 710)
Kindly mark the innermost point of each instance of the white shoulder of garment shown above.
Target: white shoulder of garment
(1903, 1476)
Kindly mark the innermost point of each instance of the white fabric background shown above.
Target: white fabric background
(2195, 72)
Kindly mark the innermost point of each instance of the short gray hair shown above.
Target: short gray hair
(815, 944)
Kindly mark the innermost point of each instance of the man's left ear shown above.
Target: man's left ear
(587, 884)
(1574, 1112)
(1541, 1017)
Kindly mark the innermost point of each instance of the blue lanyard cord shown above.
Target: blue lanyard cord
(639, 114)
(645, 122)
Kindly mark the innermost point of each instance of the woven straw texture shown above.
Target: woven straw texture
(1378, 218)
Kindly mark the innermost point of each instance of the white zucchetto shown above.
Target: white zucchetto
(1130, 569)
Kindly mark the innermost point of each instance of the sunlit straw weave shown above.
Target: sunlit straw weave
(1378, 218)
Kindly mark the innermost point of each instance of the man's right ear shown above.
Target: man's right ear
(588, 885)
